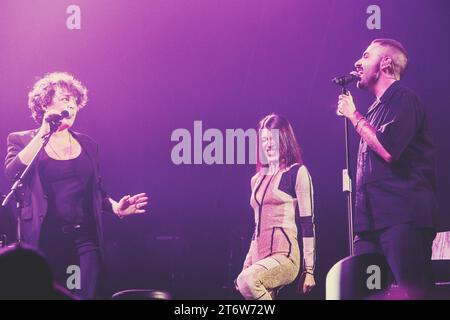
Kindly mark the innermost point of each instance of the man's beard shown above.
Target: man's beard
(370, 81)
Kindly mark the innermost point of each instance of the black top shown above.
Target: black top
(35, 204)
(405, 189)
(67, 184)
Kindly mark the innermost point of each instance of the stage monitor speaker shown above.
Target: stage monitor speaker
(358, 277)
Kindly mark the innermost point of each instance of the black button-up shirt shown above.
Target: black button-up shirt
(405, 189)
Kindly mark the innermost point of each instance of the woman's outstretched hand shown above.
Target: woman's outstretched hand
(129, 205)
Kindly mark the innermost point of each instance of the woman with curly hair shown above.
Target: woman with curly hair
(281, 189)
(62, 197)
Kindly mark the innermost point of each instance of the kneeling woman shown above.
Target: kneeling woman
(281, 188)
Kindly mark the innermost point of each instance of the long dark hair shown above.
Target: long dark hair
(289, 150)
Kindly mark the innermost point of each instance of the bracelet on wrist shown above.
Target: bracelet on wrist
(358, 122)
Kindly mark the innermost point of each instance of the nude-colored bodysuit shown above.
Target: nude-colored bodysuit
(273, 259)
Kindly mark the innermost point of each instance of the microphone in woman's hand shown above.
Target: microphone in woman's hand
(52, 118)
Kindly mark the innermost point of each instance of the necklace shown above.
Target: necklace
(70, 148)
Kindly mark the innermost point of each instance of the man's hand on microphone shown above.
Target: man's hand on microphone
(346, 106)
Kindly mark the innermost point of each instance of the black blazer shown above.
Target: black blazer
(34, 207)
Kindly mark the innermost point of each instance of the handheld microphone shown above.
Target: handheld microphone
(52, 118)
(345, 80)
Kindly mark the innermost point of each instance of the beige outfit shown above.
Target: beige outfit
(273, 259)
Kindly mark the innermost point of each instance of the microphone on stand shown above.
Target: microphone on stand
(52, 118)
(347, 79)
(343, 81)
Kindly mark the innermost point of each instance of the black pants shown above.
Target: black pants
(407, 250)
(77, 247)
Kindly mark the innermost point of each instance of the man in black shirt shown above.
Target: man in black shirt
(396, 203)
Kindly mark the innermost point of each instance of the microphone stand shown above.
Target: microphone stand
(16, 188)
(347, 181)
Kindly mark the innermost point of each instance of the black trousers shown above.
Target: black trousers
(407, 250)
(64, 247)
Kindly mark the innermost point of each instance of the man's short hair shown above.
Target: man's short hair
(397, 52)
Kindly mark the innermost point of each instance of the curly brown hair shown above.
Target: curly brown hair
(41, 96)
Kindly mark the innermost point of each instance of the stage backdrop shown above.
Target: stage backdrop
(155, 66)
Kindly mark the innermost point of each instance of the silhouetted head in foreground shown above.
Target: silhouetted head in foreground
(25, 274)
